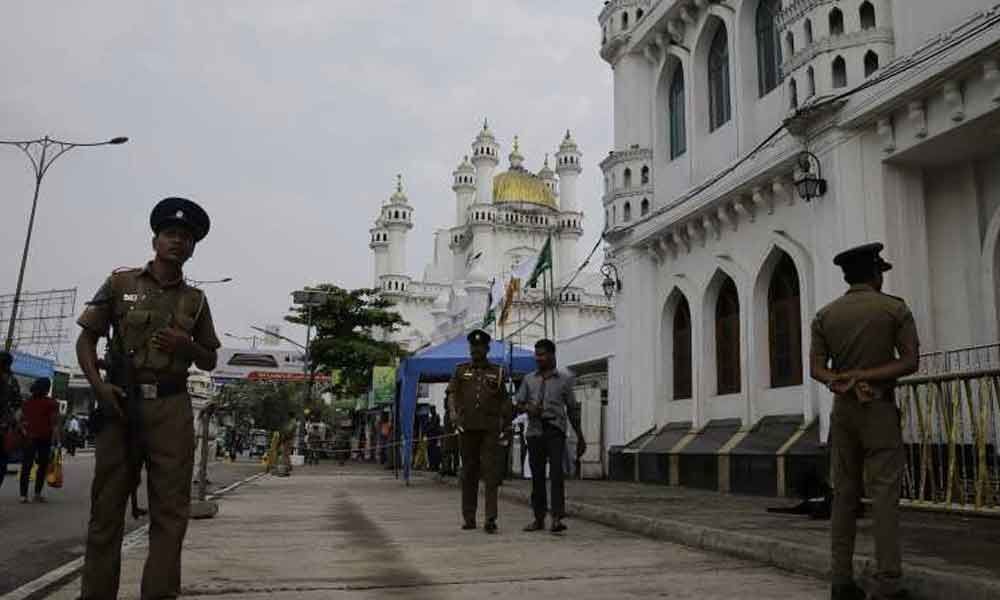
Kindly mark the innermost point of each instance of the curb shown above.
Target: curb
(63, 575)
(921, 582)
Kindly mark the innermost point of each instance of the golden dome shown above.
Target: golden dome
(520, 186)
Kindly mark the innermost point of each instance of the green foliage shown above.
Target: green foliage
(348, 327)
(268, 404)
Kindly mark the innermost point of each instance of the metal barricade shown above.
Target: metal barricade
(951, 433)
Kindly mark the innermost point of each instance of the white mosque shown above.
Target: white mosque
(500, 219)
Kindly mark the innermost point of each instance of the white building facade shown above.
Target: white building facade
(723, 262)
(500, 220)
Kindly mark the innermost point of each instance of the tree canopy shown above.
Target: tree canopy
(350, 327)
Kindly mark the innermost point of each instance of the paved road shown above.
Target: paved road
(351, 534)
(40, 537)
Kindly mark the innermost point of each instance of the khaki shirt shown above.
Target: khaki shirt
(121, 299)
(863, 329)
(479, 399)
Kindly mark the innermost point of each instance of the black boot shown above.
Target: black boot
(491, 526)
(847, 591)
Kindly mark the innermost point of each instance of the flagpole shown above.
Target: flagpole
(545, 304)
(555, 299)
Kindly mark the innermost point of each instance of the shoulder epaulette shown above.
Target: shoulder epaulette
(894, 297)
(121, 270)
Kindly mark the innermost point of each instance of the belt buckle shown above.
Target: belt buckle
(148, 390)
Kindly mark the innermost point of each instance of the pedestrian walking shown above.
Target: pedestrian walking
(10, 404)
(40, 425)
(862, 343)
(72, 438)
(158, 325)
(547, 396)
(481, 411)
(434, 433)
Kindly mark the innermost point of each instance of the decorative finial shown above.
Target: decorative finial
(567, 134)
(546, 159)
(399, 182)
(486, 124)
(516, 144)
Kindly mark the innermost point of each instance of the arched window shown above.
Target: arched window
(768, 46)
(839, 72)
(871, 63)
(678, 123)
(867, 12)
(682, 350)
(808, 26)
(627, 212)
(785, 324)
(727, 339)
(638, 14)
(810, 82)
(789, 43)
(624, 20)
(793, 94)
(627, 177)
(644, 175)
(720, 109)
(836, 22)
(645, 207)
(614, 214)
(396, 214)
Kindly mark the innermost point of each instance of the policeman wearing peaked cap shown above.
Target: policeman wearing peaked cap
(862, 343)
(157, 327)
(481, 410)
(182, 212)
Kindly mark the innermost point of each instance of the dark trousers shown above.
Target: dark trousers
(38, 451)
(547, 448)
(479, 451)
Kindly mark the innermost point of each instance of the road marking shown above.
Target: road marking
(70, 569)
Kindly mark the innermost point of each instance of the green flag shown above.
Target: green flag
(542, 264)
(491, 314)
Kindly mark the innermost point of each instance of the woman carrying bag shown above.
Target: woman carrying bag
(39, 421)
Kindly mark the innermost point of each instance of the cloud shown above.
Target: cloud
(287, 120)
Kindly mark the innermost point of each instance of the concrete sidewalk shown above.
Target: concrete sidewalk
(945, 556)
(356, 533)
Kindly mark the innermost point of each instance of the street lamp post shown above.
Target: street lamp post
(245, 338)
(308, 298)
(40, 164)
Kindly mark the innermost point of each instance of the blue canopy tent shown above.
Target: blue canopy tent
(436, 365)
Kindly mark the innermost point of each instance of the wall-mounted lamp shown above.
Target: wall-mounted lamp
(612, 282)
(810, 184)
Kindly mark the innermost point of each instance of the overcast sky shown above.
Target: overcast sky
(286, 120)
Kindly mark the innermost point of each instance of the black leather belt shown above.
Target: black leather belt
(151, 391)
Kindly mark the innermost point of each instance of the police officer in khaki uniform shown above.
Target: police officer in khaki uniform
(861, 344)
(158, 326)
(481, 411)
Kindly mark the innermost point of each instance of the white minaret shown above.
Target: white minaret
(485, 156)
(465, 190)
(397, 218)
(380, 249)
(549, 177)
(568, 167)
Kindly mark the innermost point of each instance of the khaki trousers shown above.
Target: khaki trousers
(168, 424)
(867, 440)
(479, 452)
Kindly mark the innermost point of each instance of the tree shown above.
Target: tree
(350, 327)
(268, 404)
